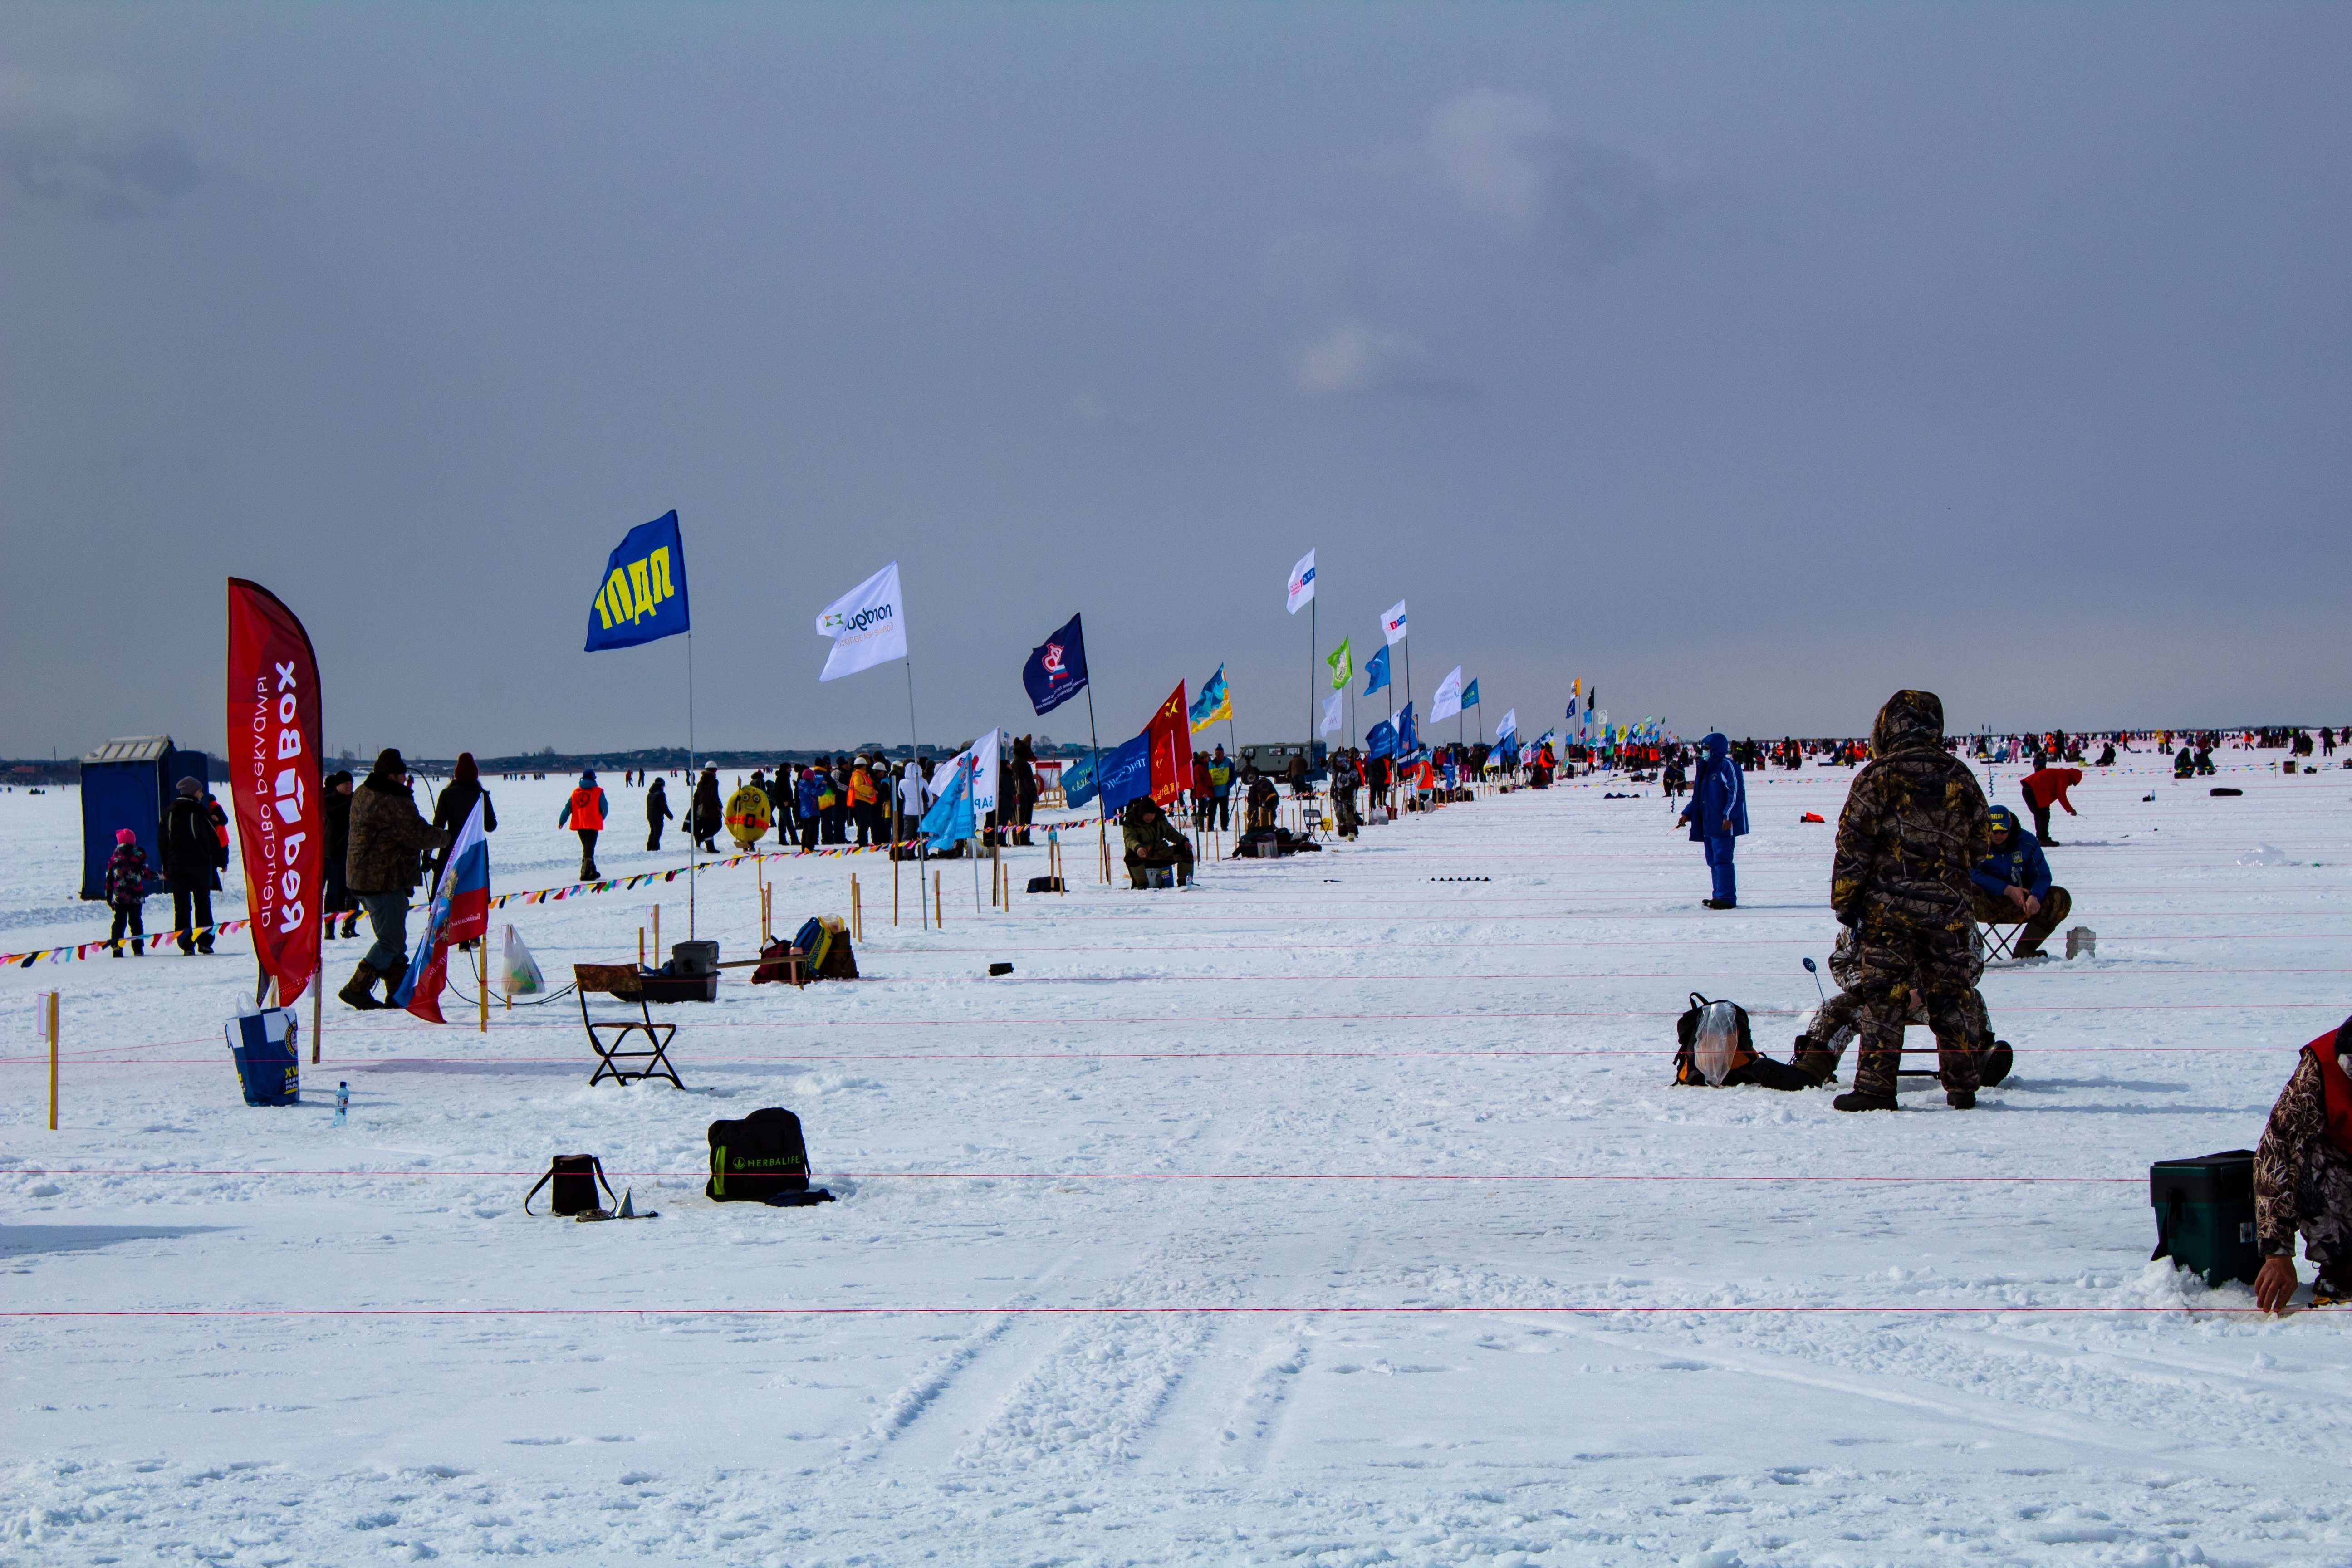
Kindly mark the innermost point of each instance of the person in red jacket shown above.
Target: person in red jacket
(2043, 788)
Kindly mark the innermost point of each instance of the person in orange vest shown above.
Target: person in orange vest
(584, 815)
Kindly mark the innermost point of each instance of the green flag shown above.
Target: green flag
(1343, 667)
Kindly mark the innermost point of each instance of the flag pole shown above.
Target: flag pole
(923, 843)
(1102, 832)
(693, 858)
(1310, 682)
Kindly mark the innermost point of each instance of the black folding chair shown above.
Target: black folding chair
(1995, 940)
(625, 982)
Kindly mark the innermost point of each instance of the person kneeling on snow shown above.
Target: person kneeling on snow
(2303, 1177)
(1152, 843)
(1822, 1047)
(2012, 885)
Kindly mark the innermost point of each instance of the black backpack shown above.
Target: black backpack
(760, 1159)
(572, 1179)
(1748, 1064)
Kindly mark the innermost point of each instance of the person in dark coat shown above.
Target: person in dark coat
(126, 892)
(709, 812)
(658, 812)
(192, 857)
(1717, 815)
(1024, 787)
(336, 814)
(455, 804)
(383, 867)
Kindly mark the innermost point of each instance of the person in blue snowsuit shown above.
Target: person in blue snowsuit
(1718, 815)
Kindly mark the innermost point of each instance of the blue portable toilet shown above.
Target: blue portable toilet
(129, 784)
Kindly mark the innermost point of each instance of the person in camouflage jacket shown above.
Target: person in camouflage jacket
(1914, 828)
(2303, 1178)
(1153, 843)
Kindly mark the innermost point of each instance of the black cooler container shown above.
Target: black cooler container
(2205, 1216)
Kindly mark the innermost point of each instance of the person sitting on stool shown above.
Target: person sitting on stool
(1152, 843)
(2011, 886)
(2303, 1178)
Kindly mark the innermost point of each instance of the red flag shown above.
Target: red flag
(1170, 742)
(273, 780)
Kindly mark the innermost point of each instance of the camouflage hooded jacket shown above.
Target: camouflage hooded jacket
(1914, 826)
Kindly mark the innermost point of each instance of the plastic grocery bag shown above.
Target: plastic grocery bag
(1718, 1042)
(519, 972)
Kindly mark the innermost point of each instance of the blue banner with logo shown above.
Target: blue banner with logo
(1380, 740)
(642, 597)
(1126, 773)
(1408, 741)
(1056, 670)
(1470, 695)
(1078, 782)
(1376, 672)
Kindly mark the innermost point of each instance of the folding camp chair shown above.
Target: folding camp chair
(625, 983)
(1996, 939)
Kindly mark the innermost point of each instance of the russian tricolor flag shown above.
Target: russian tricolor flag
(460, 912)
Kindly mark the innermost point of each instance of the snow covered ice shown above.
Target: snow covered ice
(1231, 1227)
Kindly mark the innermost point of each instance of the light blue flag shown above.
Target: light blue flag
(1078, 782)
(1376, 672)
(1470, 695)
(949, 821)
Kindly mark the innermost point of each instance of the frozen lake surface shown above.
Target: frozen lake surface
(1335, 1211)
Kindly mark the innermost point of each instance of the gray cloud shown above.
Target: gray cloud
(80, 147)
(1354, 360)
(1505, 160)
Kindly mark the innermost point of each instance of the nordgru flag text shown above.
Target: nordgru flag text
(867, 626)
(643, 594)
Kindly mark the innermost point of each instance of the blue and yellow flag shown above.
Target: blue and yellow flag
(643, 595)
(1214, 702)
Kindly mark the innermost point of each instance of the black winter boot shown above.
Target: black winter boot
(1996, 1064)
(1861, 1099)
(1960, 1098)
(359, 991)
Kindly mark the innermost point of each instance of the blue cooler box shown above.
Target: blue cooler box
(268, 1064)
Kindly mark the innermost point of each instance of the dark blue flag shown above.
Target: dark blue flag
(1056, 670)
(643, 594)
(1408, 742)
(1126, 773)
(1376, 672)
(1470, 695)
(1380, 741)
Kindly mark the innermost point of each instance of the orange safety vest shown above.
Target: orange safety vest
(587, 814)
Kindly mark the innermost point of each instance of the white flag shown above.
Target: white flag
(1510, 724)
(867, 626)
(1393, 624)
(1447, 702)
(984, 755)
(1331, 720)
(1302, 581)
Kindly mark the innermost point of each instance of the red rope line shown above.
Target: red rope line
(1319, 1310)
(1139, 1176)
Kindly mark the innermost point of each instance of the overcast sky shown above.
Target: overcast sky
(1753, 361)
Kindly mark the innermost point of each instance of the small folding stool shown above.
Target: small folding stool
(625, 982)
